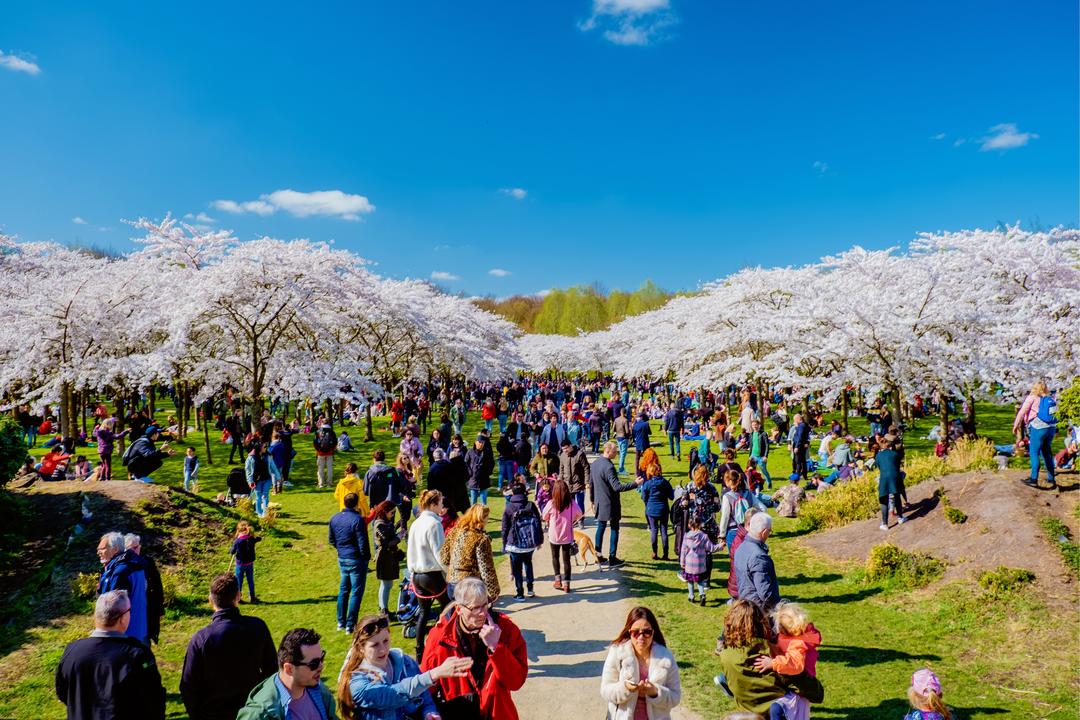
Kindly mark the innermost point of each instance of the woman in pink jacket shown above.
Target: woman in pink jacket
(1039, 415)
(560, 514)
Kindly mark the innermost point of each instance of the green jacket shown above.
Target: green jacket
(753, 691)
(263, 702)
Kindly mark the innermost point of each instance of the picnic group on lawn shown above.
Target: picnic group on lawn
(467, 657)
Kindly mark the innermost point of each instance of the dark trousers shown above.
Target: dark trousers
(427, 584)
(563, 552)
(883, 500)
(613, 543)
(521, 567)
(799, 462)
(237, 444)
(246, 571)
(658, 525)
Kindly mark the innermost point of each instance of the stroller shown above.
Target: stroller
(408, 605)
(238, 486)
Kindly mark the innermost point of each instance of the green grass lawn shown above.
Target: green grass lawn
(994, 656)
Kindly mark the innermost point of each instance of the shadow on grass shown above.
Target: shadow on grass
(895, 708)
(801, 578)
(860, 657)
(300, 601)
(841, 599)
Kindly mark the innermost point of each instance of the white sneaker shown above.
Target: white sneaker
(883, 527)
(902, 520)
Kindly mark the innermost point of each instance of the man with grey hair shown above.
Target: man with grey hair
(155, 593)
(110, 674)
(754, 570)
(470, 628)
(125, 570)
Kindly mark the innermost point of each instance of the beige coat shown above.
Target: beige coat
(622, 665)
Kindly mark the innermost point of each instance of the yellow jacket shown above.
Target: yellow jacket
(352, 484)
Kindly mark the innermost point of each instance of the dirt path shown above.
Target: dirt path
(568, 635)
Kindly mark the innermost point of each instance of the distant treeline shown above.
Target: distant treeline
(583, 307)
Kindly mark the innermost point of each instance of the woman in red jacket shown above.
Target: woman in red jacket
(469, 628)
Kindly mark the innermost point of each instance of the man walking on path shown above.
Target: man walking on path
(348, 535)
(755, 573)
(325, 442)
(604, 489)
(641, 439)
(227, 658)
(109, 674)
(800, 445)
(623, 431)
(674, 422)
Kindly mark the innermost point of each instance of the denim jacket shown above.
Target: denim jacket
(392, 695)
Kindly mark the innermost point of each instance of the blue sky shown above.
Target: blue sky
(560, 143)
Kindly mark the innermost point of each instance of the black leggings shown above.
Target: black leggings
(564, 551)
(429, 585)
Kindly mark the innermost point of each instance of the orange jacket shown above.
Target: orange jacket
(507, 667)
(792, 655)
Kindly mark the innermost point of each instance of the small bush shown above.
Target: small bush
(170, 585)
(1005, 579)
(955, 515)
(1059, 534)
(12, 448)
(887, 562)
(270, 520)
(85, 585)
(970, 454)
(245, 507)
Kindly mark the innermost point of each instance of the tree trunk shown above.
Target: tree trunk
(943, 413)
(208, 409)
(369, 436)
(971, 411)
(119, 402)
(859, 405)
(894, 400)
(153, 401)
(67, 402)
(845, 407)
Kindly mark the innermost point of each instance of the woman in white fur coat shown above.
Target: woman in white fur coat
(641, 677)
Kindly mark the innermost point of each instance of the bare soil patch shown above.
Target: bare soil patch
(1002, 528)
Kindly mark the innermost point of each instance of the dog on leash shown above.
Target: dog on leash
(585, 546)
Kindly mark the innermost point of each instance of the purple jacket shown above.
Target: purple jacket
(696, 547)
(106, 438)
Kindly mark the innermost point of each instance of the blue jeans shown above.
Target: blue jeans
(1040, 441)
(502, 423)
(658, 524)
(475, 495)
(31, 437)
(762, 463)
(601, 526)
(351, 590)
(261, 496)
(624, 445)
(579, 498)
(488, 424)
(521, 567)
(246, 571)
(506, 472)
(190, 481)
(674, 440)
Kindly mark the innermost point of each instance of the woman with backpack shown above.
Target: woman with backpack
(522, 534)
(560, 514)
(733, 506)
(1038, 414)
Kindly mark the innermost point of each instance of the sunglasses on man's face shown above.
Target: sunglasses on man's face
(313, 664)
(639, 632)
(373, 627)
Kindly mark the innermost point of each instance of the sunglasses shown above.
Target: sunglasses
(375, 626)
(639, 632)
(313, 664)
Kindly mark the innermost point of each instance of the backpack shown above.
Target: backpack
(739, 506)
(703, 450)
(1047, 411)
(325, 440)
(526, 529)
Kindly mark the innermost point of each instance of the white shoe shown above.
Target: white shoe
(902, 520)
(883, 527)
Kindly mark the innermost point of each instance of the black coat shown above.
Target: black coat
(387, 550)
(605, 488)
(110, 678)
(225, 660)
(479, 467)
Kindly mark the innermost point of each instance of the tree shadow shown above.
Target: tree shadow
(587, 669)
(892, 708)
(841, 599)
(299, 601)
(801, 578)
(853, 656)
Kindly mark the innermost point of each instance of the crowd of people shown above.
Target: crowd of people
(470, 661)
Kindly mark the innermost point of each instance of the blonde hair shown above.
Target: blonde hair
(791, 618)
(930, 701)
(475, 518)
(243, 528)
(1040, 389)
(430, 498)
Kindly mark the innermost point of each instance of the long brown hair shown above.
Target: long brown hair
(383, 509)
(701, 476)
(744, 623)
(638, 613)
(356, 657)
(560, 495)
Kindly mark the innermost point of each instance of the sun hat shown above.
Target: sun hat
(925, 681)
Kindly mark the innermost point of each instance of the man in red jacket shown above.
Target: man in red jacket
(470, 629)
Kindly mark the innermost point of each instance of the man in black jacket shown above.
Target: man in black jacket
(109, 675)
(604, 488)
(227, 658)
(348, 535)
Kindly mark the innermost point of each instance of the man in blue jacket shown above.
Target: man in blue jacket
(125, 570)
(755, 573)
(348, 535)
(641, 438)
(800, 445)
(674, 422)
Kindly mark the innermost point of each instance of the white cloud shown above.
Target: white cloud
(1006, 136)
(821, 167)
(331, 203)
(498, 272)
(958, 142)
(18, 64)
(939, 136)
(440, 276)
(543, 293)
(201, 217)
(516, 193)
(78, 220)
(630, 22)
